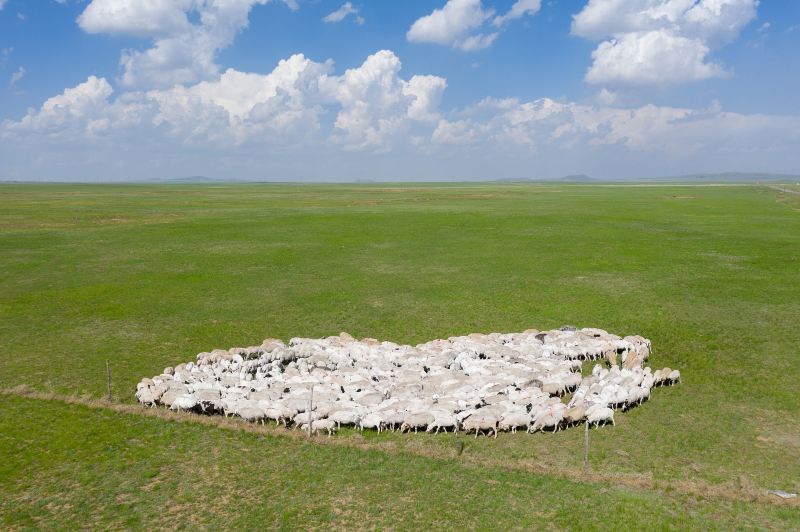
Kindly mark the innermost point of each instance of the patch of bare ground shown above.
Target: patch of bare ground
(740, 489)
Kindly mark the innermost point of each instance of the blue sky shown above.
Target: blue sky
(411, 90)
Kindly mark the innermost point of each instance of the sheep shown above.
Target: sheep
(170, 396)
(514, 420)
(662, 376)
(208, 399)
(344, 417)
(548, 416)
(252, 413)
(636, 395)
(574, 414)
(371, 421)
(443, 420)
(326, 424)
(480, 423)
(674, 376)
(597, 413)
(278, 414)
(302, 418)
(146, 396)
(183, 402)
(416, 420)
(554, 388)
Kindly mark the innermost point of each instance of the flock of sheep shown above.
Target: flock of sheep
(478, 383)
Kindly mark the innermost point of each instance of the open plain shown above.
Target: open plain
(146, 276)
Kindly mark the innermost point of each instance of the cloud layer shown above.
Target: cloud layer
(375, 113)
(374, 107)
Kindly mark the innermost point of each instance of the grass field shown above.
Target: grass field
(147, 276)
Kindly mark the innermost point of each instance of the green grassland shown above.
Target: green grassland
(148, 276)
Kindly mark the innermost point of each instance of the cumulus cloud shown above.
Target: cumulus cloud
(239, 107)
(143, 18)
(659, 41)
(466, 25)
(77, 109)
(343, 12)
(650, 58)
(183, 50)
(377, 105)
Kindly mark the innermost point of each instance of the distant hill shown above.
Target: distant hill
(196, 179)
(578, 178)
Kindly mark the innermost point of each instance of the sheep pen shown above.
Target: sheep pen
(479, 383)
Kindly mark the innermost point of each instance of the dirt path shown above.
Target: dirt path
(784, 190)
(640, 481)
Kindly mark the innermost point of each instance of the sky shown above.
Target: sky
(410, 90)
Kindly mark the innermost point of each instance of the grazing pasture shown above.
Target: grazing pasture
(147, 276)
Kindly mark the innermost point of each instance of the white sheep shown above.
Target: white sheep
(548, 416)
(480, 423)
(371, 421)
(416, 420)
(327, 425)
(252, 413)
(183, 402)
(344, 417)
(514, 420)
(597, 413)
(443, 421)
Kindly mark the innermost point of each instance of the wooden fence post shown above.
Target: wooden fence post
(310, 408)
(586, 448)
(108, 379)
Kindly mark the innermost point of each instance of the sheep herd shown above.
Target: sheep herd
(479, 383)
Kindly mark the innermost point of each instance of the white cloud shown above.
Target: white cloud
(75, 109)
(2, 4)
(450, 24)
(376, 105)
(518, 10)
(143, 18)
(241, 107)
(183, 51)
(343, 12)
(16, 77)
(659, 41)
(477, 42)
(652, 57)
(425, 93)
(464, 24)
